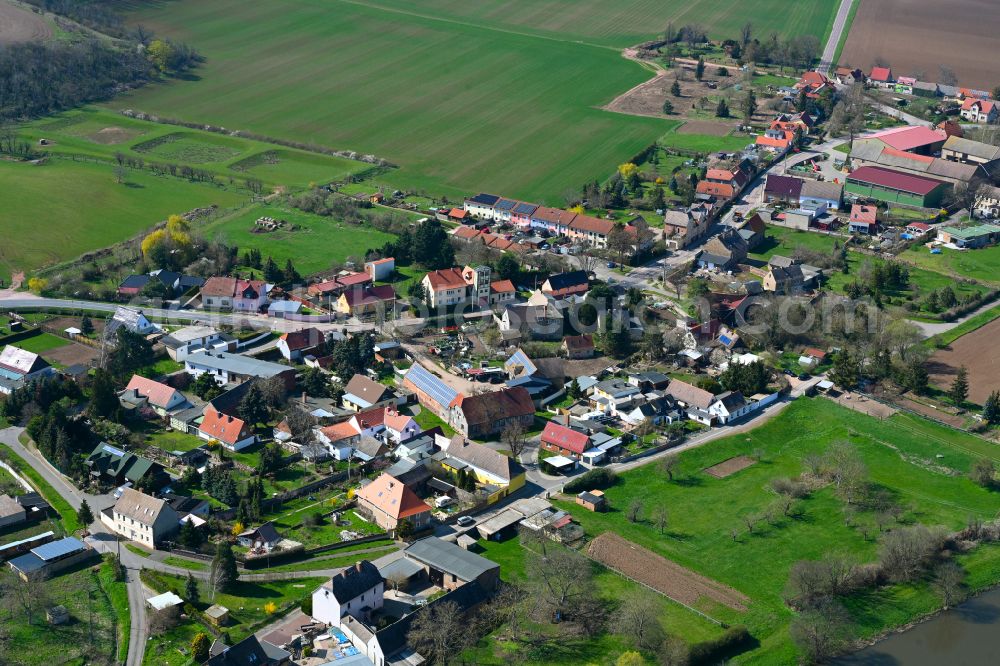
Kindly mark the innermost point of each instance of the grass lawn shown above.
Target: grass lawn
(85, 208)
(101, 134)
(41, 644)
(603, 649)
(66, 513)
(315, 244)
(141, 552)
(901, 457)
(326, 532)
(427, 419)
(41, 343)
(974, 264)
(784, 241)
(183, 563)
(8, 485)
(162, 366)
(704, 143)
(333, 560)
(172, 440)
(117, 593)
(246, 603)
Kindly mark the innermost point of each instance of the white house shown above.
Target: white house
(131, 319)
(729, 406)
(225, 293)
(141, 518)
(162, 398)
(18, 366)
(339, 439)
(399, 427)
(481, 205)
(380, 269)
(351, 591)
(190, 339)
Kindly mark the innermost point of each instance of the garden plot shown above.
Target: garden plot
(729, 467)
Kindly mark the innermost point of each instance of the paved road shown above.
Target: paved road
(929, 329)
(826, 63)
(902, 115)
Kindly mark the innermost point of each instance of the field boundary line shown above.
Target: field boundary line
(469, 24)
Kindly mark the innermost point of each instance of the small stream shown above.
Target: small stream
(967, 635)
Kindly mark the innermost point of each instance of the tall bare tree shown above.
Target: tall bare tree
(440, 632)
(514, 438)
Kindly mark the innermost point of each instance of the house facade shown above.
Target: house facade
(979, 110)
(142, 518)
(352, 591)
(389, 501)
(225, 293)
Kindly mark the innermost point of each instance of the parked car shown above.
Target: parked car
(465, 521)
(788, 372)
(804, 376)
(611, 264)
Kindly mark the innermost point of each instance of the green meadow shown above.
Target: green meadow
(921, 465)
(61, 209)
(103, 134)
(312, 242)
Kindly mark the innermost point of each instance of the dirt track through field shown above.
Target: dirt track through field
(659, 573)
(977, 352)
(19, 25)
(916, 37)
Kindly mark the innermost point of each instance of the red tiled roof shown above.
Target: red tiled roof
(352, 279)
(554, 215)
(883, 74)
(578, 342)
(379, 262)
(721, 190)
(303, 339)
(565, 437)
(896, 180)
(158, 394)
(919, 226)
(339, 431)
(985, 105)
(370, 418)
(864, 214)
(394, 420)
(458, 213)
(909, 137)
(226, 429)
(588, 224)
(502, 287)
(219, 286)
(446, 278)
(468, 233)
(366, 295)
(393, 497)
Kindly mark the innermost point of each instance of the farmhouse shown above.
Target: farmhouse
(356, 590)
(227, 368)
(563, 285)
(896, 187)
(231, 432)
(446, 287)
(863, 220)
(724, 183)
(225, 293)
(328, 292)
(113, 466)
(389, 501)
(723, 252)
(141, 518)
(490, 468)
(979, 110)
(683, 227)
(950, 171)
(340, 439)
(784, 280)
(160, 397)
(881, 77)
(578, 346)
(782, 189)
(192, 339)
(367, 300)
(564, 440)
(487, 414)
(18, 366)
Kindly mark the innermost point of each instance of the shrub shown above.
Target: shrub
(599, 479)
(713, 651)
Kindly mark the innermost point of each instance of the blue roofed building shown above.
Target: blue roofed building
(432, 391)
(50, 558)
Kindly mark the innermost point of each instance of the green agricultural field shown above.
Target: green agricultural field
(921, 465)
(974, 264)
(42, 343)
(103, 134)
(63, 209)
(314, 245)
(460, 108)
(704, 143)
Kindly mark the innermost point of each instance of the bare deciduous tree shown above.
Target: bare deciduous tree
(560, 581)
(515, 439)
(668, 464)
(907, 551)
(634, 509)
(822, 631)
(948, 582)
(638, 618)
(660, 517)
(440, 632)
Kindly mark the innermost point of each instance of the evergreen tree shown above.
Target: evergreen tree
(189, 536)
(960, 387)
(290, 275)
(314, 382)
(271, 271)
(915, 376)
(659, 199)
(84, 514)
(675, 88)
(191, 589)
(991, 408)
(253, 407)
(846, 371)
(103, 398)
(668, 107)
(722, 109)
(223, 573)
(132, 352)
(270, 458)
(507, 267)
(573, 390)
(749, 106)
(86, 325)
(699, 69)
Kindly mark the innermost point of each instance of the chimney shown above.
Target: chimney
(303, 397)
(357, 566)
(566, 419)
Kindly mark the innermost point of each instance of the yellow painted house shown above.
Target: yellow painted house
(490, 467)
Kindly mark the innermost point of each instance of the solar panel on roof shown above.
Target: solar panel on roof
(56, 549)
(113, 451)
(433, 386)
(724, 339)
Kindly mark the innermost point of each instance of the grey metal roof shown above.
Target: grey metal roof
(449, 558)
(57, 549)
(27, 563)
(430, 384)
(236, 364)
(400, 567)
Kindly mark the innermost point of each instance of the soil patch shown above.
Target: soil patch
(697, 98)
(729, 467)
(916, 37)
(977, 352)
(664, 576)
(709, 127)
(110, 136)
(19, 25)
(71, 354)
